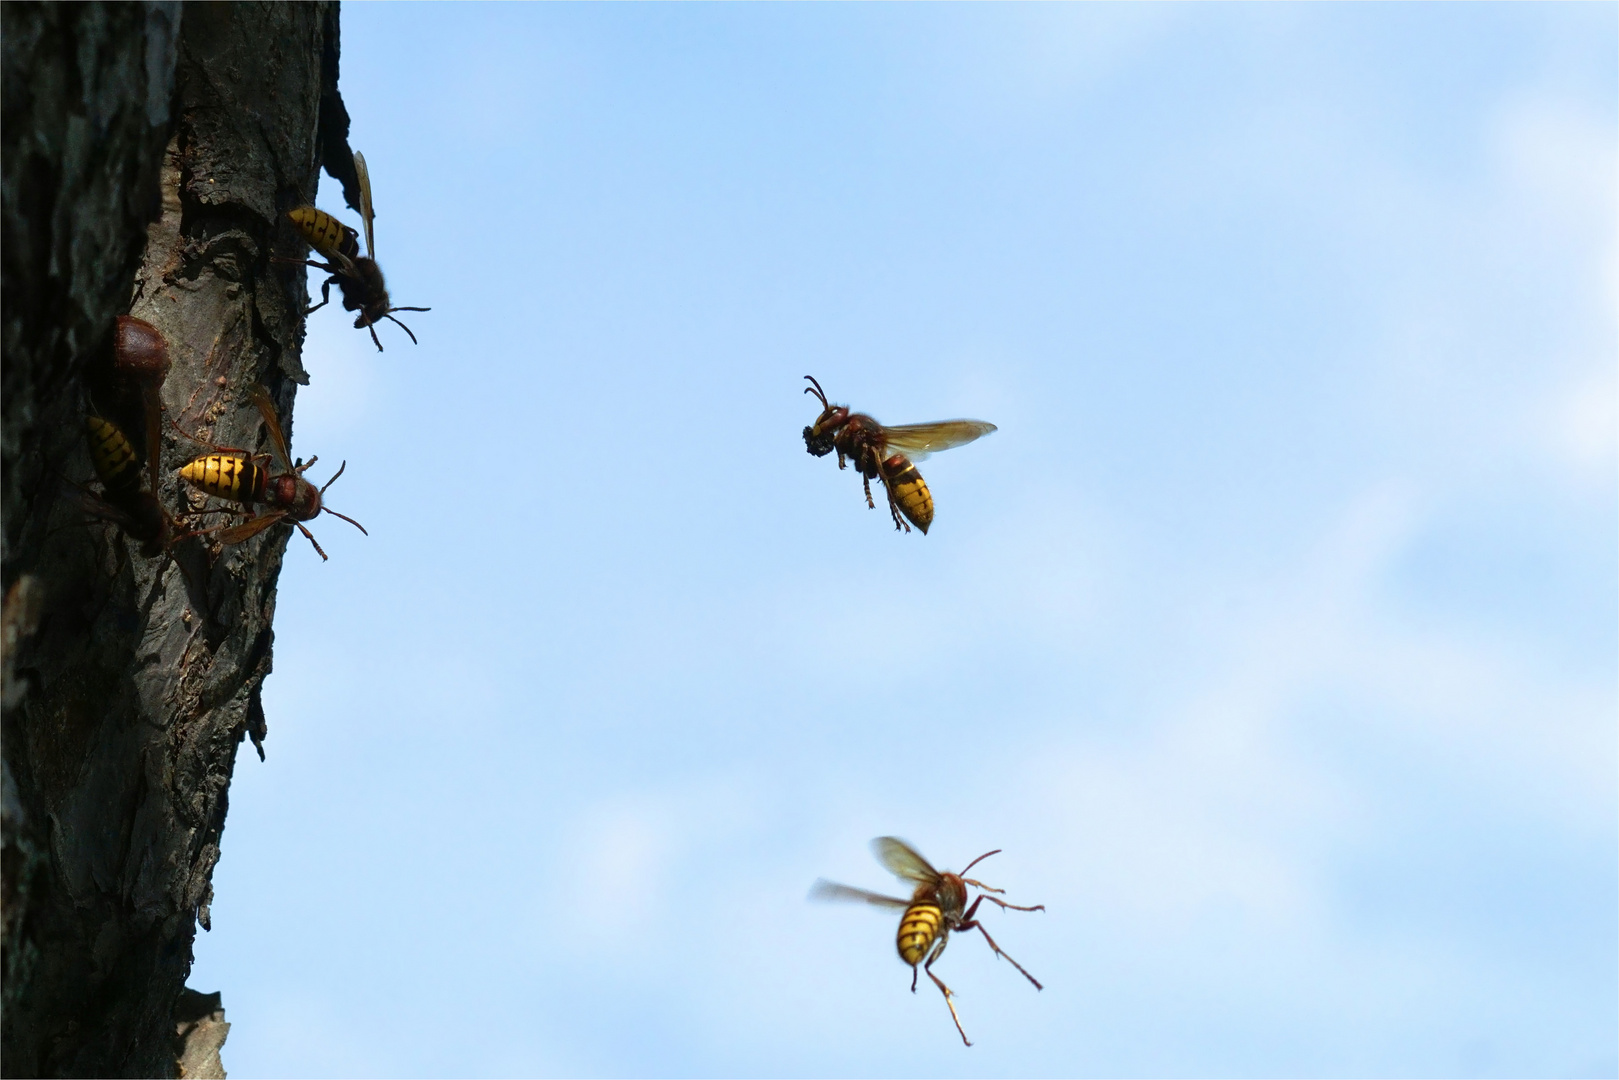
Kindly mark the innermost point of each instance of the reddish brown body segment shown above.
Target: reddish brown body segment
(139, 350)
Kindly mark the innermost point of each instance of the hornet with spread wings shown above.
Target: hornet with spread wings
(936, 907)
(888, 454)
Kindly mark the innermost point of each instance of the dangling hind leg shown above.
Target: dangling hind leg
(938, 950)
(893, 508)
(893, 503)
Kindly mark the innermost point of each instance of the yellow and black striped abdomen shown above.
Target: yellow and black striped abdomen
(227, 476)
(917, 929)
(325, 233)
(111, 454)
(910, 491)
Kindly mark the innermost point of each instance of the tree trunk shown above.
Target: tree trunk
(149, 157)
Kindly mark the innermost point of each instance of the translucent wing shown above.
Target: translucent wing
(98, 507)
(917, 441)
(902, 860)
(277, 440)
(344, 259)
(249, 529)
(831, 890)
(365, 203)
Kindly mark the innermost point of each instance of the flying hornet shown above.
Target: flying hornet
(936, 907)
(237, 475)
(888, 454)
(357, 276)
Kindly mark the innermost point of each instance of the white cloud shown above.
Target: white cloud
(618, 858)
(1582, 426)
(612, 884)
(1561, 159)
(1560, 170)
(1206, 804)
(1229, 796)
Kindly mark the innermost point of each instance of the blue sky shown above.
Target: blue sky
(1273, 636)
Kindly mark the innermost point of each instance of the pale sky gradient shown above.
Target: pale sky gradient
(1273, 635)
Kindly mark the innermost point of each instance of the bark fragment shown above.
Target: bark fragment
(199, 1030)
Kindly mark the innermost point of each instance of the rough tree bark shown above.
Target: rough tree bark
(149, 157)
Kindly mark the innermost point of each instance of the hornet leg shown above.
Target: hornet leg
(325, 286)
(187, 535)
(322, 554)
(945, 990)
(1012, 907)
(326, 297)
(1004, 905)
(893, 504)
(893, 508)
(325, 289)
(971, 924)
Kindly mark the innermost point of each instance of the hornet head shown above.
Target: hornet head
(819, 436)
